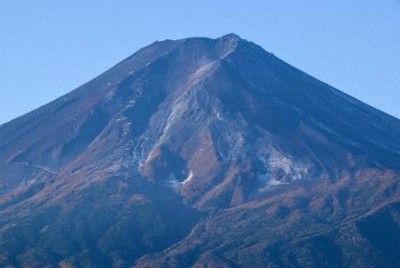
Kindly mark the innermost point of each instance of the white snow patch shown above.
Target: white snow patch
(188, 179)
(219, 117)
(274, 182)
(289, 169)
(31, 182)
(277, 160)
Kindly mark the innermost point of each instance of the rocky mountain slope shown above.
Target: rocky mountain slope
(205, 153)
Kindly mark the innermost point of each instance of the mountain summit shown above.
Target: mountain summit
(201, 152)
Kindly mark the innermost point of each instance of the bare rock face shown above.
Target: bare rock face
(201, 152)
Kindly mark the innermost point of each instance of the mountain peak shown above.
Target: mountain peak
(222, 45)
(230, 36)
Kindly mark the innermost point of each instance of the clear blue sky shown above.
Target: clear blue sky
(50, 47)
